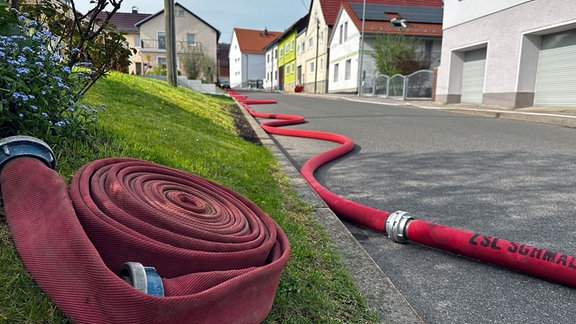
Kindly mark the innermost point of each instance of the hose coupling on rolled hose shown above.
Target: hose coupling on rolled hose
(16, 146)
(145, 279)
(396, 225)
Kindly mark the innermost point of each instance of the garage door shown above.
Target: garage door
(556, 77)
(473, 76)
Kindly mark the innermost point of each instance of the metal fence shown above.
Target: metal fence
(417, 85)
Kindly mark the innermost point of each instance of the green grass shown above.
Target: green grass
(182, 129)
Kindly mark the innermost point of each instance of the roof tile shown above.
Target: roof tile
(253, 41)
(331, 8)
(124, 21)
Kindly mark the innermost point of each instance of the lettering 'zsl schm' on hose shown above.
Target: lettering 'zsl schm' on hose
(522, 249)
(402, 227)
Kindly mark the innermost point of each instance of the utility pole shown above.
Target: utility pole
(170, 26)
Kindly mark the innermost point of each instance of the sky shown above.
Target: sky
(225, 15)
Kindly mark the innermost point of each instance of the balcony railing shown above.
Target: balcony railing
(160, 45)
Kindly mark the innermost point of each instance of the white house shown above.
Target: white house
(347, 54)
(271, 66)
(247, 56)
(514, 53)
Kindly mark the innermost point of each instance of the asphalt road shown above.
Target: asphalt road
(504, 178)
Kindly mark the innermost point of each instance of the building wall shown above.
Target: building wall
(463, 11)
(136, 59)
(271, 79)
(315, 68)
(287, 60)
(236, 66)
(300, 61)
(511, 32)
(344, 56)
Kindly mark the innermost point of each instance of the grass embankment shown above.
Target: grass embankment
(179, 128)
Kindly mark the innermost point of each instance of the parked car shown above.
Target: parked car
(223, 84)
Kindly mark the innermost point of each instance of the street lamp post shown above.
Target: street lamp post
(361, 59)
(317, 51)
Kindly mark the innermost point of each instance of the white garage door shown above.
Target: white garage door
(556, 77)
(473, 76)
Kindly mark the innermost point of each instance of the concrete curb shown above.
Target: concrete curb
(381, 295)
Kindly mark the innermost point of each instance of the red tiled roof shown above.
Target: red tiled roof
(331, 8)
(385, 27)
(124, 21)
(253, 41)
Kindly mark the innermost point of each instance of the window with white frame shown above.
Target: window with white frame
(348, 69)
(311, 70)
(291, 45)
(345, 31)
(341, 34)
(161, 61)
(336, 70)
(137, 42)
(287, 48)
(321, 67)
(310, 42)
(191, 39)
(161, 37)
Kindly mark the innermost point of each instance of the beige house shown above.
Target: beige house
(312, 55)
(193, 36)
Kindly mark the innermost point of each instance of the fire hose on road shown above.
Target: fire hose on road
(401, 227)
(137, 242)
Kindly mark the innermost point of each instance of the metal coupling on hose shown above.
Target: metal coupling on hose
(145, 279)
(16, 146)
(396, 225)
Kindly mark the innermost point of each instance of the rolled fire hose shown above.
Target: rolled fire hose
(401, 227)
(218, 257)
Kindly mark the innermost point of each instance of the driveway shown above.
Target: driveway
(504, 178)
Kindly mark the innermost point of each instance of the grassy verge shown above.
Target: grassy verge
(176, 127)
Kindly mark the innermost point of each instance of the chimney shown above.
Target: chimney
(134, 9)
(266, 32)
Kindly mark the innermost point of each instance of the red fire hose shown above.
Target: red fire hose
(219, 256)
(402, 227)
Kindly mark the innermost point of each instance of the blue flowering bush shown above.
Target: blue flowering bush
(38, 91)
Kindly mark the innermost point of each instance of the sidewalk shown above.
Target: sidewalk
(562, 116)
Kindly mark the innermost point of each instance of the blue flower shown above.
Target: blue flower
(22, 70)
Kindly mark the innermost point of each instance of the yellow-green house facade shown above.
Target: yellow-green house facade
(287, 61)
